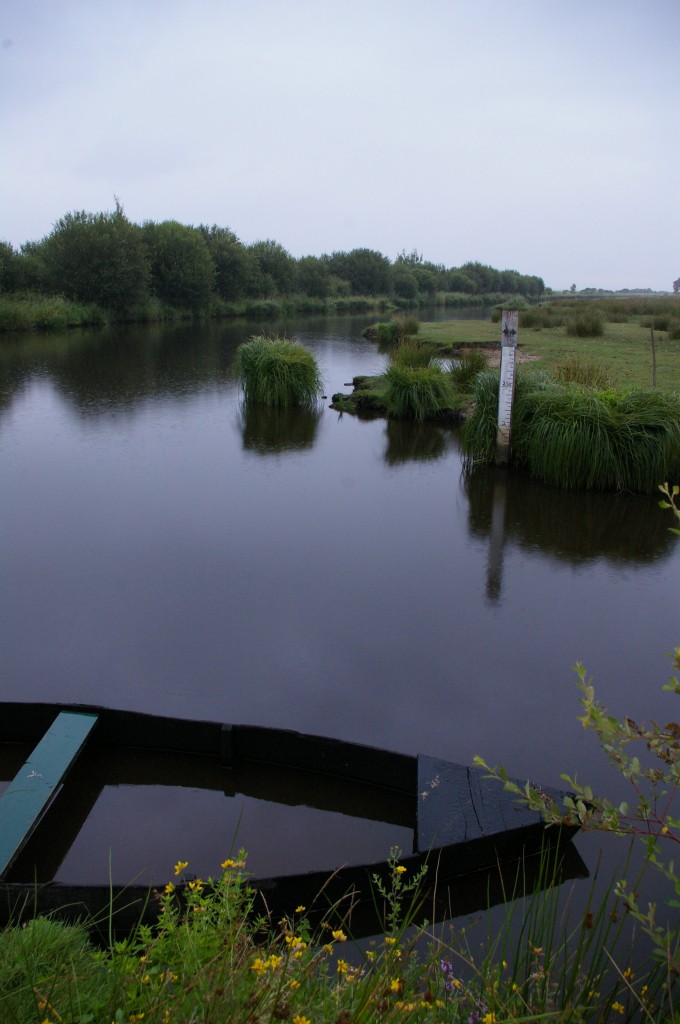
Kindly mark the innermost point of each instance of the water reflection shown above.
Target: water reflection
(415, 442)
(268, 431)
(575, 526)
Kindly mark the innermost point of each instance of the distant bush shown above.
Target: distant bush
(278, 373)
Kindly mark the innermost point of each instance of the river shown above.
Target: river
(166, 550)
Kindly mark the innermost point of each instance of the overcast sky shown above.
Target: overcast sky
(538, 135)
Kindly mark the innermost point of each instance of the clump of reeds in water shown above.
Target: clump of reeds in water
(278, 373)
(417, 392)
(575, 437)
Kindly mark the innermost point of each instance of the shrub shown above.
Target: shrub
(417, 392)
(278, 373)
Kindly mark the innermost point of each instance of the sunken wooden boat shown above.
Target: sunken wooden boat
(475, 837)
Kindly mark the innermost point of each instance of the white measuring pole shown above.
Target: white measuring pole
(506, 388)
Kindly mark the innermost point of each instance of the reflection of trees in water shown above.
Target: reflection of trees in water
(413, 442)
(269, 431)
(116, 368)
(576, 526)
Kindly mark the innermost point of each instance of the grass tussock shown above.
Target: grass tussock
(409, 353)
(586, 323)
(278, 373)
(575, 437)
(417, 392)
(466, 366)
(586, 371)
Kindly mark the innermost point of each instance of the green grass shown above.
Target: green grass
(417, 392)
(278, 373)
(468, 364)
(409, 353)
(575, 437)
(50, 312)
(210, 960)
(624, 349)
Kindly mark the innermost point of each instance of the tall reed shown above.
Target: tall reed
(277, 372)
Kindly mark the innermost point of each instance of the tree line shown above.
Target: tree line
(107, 260)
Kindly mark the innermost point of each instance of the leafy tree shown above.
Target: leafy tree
(314, 277)
(8, 258)
(276, 264)
(458, 281)
(96, 257)
(368, 271)
(237, 272)
(182, 272)
(676, 285)
(404, 281)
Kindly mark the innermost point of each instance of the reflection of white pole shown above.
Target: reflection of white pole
(506, 388)
(494, 569)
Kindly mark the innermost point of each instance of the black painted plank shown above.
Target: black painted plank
(456, 805)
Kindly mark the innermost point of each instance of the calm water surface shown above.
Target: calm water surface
(166, 550)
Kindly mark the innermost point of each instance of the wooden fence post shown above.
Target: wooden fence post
(506, 389)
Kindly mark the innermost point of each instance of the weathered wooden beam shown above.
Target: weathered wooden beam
(29, 794)
(458, 805)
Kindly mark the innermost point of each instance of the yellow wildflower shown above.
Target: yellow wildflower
(342, 967)
(300, 909)
(299, 1019)
(618, 1008)
(489, 1018)
(400, 870)
(294, 984)
(258, 965)
(180, 866)
(628, 973)
(339, 935)
(328, 948)
(389, 940)
(196, 886)
(395, 985)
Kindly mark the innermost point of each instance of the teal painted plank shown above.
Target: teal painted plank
(27, 796)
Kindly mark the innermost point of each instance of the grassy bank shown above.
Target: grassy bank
(624, 346)
(209, 961)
